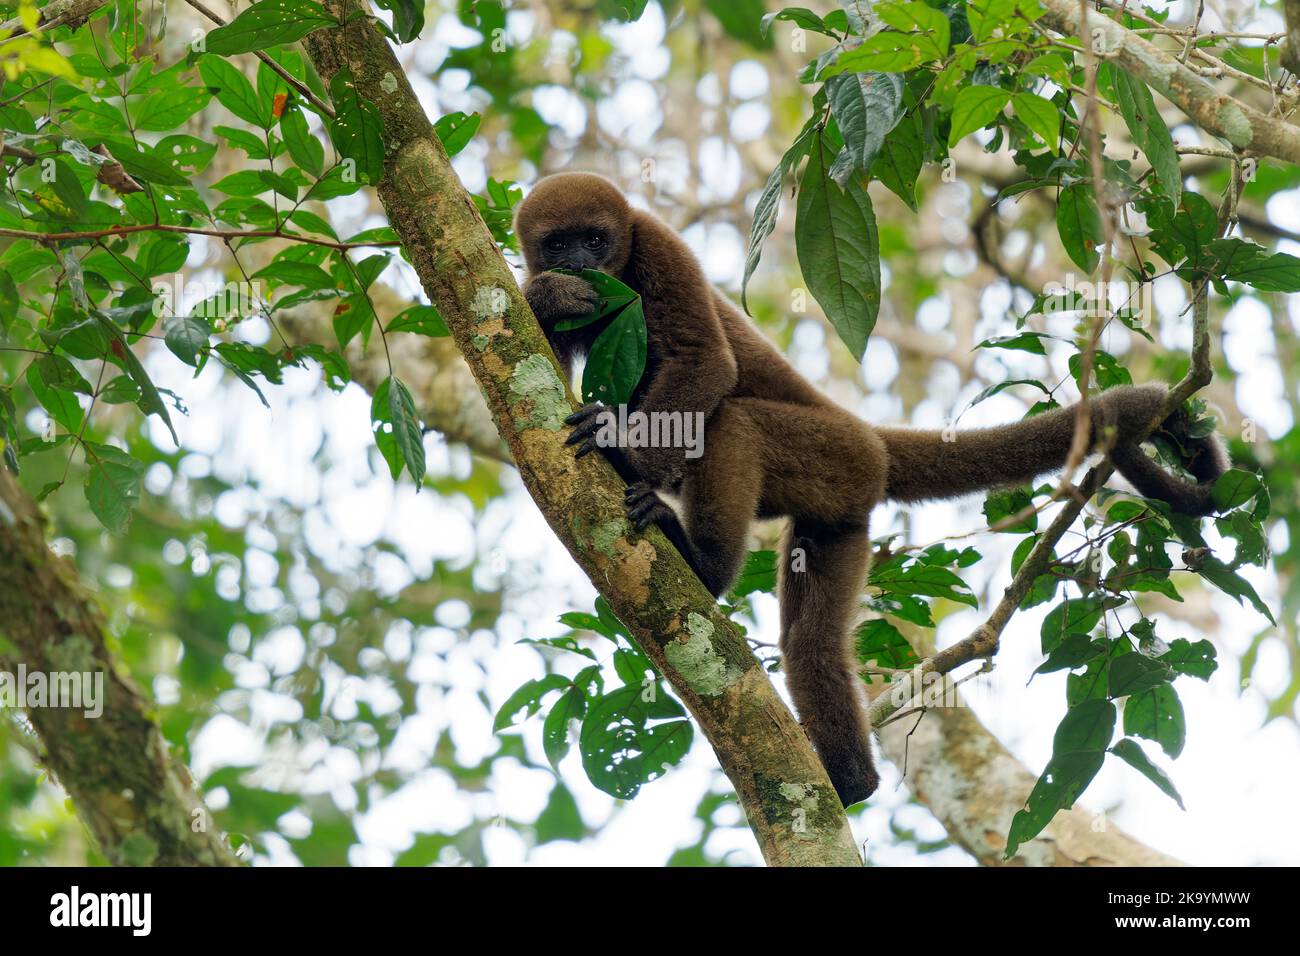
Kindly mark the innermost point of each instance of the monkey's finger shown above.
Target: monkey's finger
(582, 434)
(643, 510)
(586, 448)
(584, 413)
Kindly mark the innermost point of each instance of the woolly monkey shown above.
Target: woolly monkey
(776, 447)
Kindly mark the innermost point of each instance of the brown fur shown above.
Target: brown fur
(776, 447)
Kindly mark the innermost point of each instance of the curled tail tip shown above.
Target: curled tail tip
(1207, 461)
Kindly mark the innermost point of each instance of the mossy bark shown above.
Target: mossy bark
(783, 788)
(137, 801)
(1213, 111)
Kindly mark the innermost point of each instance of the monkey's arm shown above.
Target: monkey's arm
(693, 364)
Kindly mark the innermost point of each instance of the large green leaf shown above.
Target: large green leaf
(758, 574)
(616, 361)
(1131, 752)
(54, 393)
(408, 17)
(1078, 751)
(1148, 129)
(838, 249)
(407, 432)
(187, 337)
(898, 164)
(1135, 673)
(234, 91)
(866, 107)
(769, 202)
(1079, 224)
(113, 480)
(974, 108)
(151, 402)
(1157, 714)
(527, 698)
(357, 128)
(621, 751)
(879, 642)
(268, 23)
(743, 19)
(1041, 116)
(305, 148)
(1073, 616)
(455, 130)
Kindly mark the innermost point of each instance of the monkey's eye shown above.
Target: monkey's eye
(555, 245)
(594, 242)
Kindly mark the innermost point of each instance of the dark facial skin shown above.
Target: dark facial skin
(574, 249)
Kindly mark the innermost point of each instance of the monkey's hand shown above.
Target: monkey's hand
(587, 422)
(644, 506)
(553, 296)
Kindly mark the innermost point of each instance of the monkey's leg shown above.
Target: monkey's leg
(719, 496)
(821, 577)
(826, 470)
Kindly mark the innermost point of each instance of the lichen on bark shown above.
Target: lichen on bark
(646, 582)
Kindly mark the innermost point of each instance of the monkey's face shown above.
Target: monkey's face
(575, 221)
(576, 249)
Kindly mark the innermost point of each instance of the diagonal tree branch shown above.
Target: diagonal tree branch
(790, 804)
(139, 804)
(1241, 125)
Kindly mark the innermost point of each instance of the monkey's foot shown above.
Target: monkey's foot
(857, 788)
(588, 421)
(644, 506)
(852, 772)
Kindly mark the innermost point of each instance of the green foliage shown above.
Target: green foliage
(144, 143)
(629, 734)
(1134, 668)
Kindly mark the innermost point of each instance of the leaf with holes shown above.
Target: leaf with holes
(113, 480)
(456, 130)
(268, 24)
(356, 130)
(621, 750)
